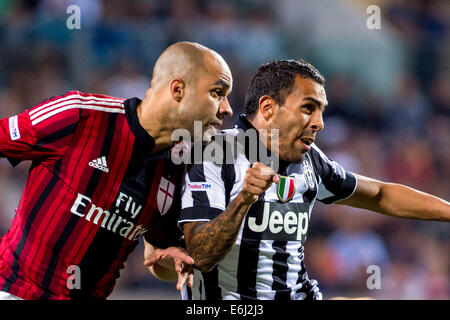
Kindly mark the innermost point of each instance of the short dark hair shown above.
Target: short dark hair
(276, 79)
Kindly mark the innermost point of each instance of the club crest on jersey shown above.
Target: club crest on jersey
(308, 173)
(165, 195)
(286, 188)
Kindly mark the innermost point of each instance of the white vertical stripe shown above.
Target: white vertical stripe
(264, 272)
(227, 274)
(196, 287)
(186, 195)
(213, 175)
(286, 189)
(294, 263)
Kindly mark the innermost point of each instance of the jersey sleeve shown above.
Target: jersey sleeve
(335, 183)
(164, 232)
(204, 192)
(40, 133)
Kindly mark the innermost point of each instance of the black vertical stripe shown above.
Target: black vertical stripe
(200, 289)
(188, 292)
(73, 221)
(228, 175)
(306, 283)
(211, 281)
(309, 196)
(320, 166)
(55, 136)
(29, 221)
(280, 269)
(105, 246)
(247, 264)
(302, 274)
(333, 181)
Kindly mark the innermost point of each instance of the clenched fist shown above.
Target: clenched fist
(258, 179)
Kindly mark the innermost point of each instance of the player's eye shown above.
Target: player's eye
(309, 108)
(217, 93)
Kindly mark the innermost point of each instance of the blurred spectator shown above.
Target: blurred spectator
(127, 81)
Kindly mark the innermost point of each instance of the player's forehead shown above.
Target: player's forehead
(217, 70)
(305, 88)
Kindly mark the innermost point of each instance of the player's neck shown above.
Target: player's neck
(264, 132)
(152, 119)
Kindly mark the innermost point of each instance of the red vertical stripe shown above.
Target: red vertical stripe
(52, 224)
(144, 220)
(117, 164)
(291, 187)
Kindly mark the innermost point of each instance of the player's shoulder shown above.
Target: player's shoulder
(70, 103)
(96, 96)
(316, 153)
(94, 101)
(79, 100)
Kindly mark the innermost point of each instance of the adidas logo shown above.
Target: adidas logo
(100, 164)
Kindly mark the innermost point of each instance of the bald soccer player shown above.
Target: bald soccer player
(101, 177)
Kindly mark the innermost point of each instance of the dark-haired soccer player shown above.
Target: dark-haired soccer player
(246, 230)
(102, 177)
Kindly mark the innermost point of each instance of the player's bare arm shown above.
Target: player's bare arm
(169, 264)
(209, 242)
(397, 200)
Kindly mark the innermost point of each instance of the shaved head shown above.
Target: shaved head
(190, 84)
(186, 60)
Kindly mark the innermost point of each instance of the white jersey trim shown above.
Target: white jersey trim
(70, 97)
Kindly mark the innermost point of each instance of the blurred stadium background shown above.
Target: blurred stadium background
(388, 114)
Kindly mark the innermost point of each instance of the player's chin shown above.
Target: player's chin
(208, 134)
(295, 156)
(298, 157)
(298, 152)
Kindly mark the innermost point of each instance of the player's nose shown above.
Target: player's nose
(316, 121)
(225, 109)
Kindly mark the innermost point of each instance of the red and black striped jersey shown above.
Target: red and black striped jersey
(93, 189)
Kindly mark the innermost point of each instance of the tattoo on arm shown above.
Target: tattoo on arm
(209, 242)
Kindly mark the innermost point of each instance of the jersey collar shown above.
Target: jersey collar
(142, 136)
(244, 124)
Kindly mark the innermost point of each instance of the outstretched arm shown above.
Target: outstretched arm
(397, 200)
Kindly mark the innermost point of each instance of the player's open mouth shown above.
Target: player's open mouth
(307, 141)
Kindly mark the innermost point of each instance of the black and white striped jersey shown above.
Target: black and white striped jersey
(266, 261)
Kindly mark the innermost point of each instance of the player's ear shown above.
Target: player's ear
(266, 106)
(177, 89)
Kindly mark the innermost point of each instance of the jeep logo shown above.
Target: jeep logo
(279, 221)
